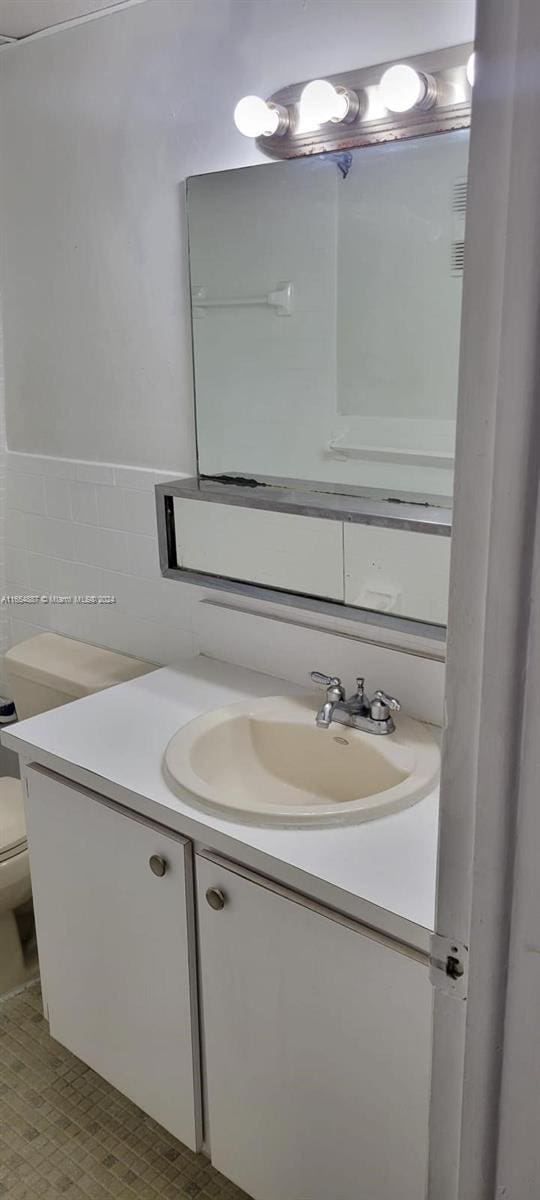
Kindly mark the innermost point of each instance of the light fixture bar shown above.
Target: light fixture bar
(353, 109)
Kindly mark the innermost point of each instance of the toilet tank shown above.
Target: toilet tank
(48, 670)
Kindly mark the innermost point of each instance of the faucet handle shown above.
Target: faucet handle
(325, 680)
(390, 701)
(330, 682)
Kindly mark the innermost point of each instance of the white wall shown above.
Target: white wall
(99, 127)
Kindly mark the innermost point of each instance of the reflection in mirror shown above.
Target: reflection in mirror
(395, 571)
(326, 299)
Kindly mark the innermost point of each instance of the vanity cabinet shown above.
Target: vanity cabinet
(315, 1030)
(317, 1036)
(115, 924)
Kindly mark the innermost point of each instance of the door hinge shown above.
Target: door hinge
(449, 966)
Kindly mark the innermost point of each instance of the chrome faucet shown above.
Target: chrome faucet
(359, 712)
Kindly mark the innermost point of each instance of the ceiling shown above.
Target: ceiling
(20, 18)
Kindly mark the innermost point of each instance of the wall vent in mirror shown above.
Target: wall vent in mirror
(426, 93)
(458, 257)
(459, 197)
(459, 209)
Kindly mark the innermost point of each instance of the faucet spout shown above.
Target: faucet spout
(325, 714)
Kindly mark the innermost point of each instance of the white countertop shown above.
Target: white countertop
(382, 871)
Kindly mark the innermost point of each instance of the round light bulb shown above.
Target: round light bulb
(471, 68)
(320, 102)
(255, 118)
(402, 88)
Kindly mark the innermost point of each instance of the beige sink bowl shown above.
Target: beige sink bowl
(266, 761)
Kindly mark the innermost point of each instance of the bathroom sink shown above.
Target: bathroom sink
(267, 761)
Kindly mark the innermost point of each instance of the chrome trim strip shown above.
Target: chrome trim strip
(360, 510)
(165, 493)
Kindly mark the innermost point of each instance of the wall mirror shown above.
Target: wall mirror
(326, 301)
(326, 304)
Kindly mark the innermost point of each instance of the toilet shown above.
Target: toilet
(42, 673)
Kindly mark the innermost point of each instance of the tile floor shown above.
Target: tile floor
(65, 1134)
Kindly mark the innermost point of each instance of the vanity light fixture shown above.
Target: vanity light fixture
(429, 93)
(255, 117)
(471, 68)
(403, 88)
(322, 103)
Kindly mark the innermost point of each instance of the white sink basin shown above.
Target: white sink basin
(267, 761)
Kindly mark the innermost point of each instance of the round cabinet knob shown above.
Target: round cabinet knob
(215, 898)
(158, 865)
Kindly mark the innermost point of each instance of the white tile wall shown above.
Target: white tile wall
(89, 528)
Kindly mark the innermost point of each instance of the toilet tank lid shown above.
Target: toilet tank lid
(75, 668)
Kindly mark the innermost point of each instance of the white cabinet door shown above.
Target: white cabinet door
(317, 1036)
(117, 948)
